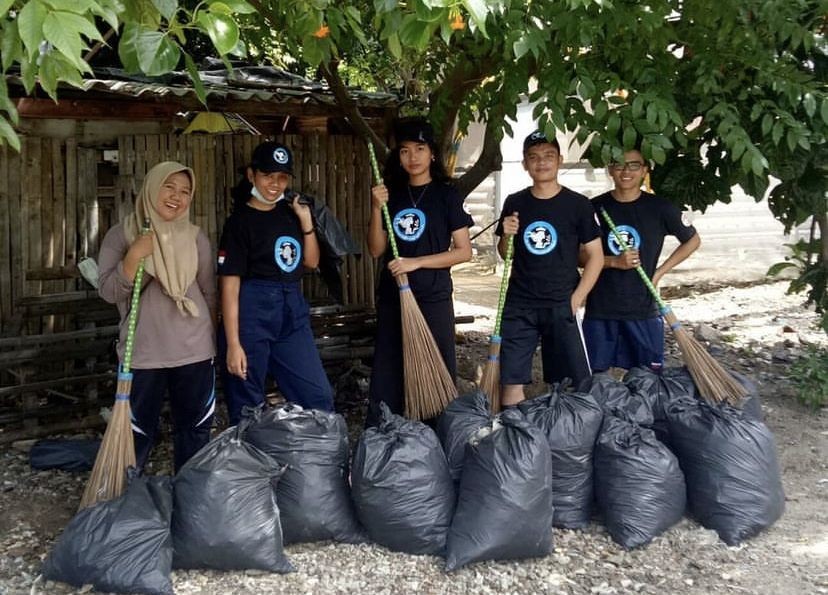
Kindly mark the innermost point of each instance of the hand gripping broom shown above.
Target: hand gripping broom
(490, 380)
(117, 451)
(714, 383)
(428, 384)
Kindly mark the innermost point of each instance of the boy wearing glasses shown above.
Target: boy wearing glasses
(550, 224)
(623, 327)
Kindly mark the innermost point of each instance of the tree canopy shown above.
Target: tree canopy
(715, 93)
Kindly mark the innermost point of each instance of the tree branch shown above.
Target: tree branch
(350, 109)
(490, 159)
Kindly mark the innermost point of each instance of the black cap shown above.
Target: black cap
(416, 129)
(271, 156)
(538, 138)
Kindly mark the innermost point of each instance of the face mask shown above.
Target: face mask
(258, 196)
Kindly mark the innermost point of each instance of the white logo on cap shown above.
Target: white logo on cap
(537, 134)
(280, 156)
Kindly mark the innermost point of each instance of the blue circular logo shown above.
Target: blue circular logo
(540, 238)
(409, 224)
(287, 253)
(628, 234)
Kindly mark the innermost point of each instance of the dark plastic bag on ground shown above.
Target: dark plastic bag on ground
(729, 463)
(122, 545)
(570, 421)
(639, 485)
(67, 455)
(615, 398)
(504, 508)
(458, 422)
(313, 494)
(402, 488)
(226, 515)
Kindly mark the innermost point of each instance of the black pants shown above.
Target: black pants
(387, 375)
(191, 389)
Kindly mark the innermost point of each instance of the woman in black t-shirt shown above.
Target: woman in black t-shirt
(432, 232)
(266, 243)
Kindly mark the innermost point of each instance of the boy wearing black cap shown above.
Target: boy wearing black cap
(550, 224)
(432, 233)
(265, 245)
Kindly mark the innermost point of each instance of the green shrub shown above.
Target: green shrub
(810, 376)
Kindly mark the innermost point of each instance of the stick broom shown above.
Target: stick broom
(490, 380)
(428, 384)
(713, 381)
(117, 452)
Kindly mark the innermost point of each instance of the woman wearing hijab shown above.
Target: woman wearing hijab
(174, 338)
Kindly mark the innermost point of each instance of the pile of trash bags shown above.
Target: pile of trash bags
(636, 455)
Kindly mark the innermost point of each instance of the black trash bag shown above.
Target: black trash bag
(313, 494)
(67, 455)
(639, 485)
(504, 508)
(571, 422)
(615, 398)
(225, 508)
(401, 485)
(729, 462)
(458, 422)
(121, 545)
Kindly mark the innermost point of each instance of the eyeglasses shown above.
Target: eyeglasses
(629, 166)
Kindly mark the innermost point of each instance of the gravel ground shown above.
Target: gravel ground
(757, 330)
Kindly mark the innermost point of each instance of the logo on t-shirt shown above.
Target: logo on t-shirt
(540, 238)
(630, 236)
(222, 255)
(409, 224)
(287, 253)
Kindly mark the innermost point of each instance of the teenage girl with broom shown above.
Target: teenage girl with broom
(174, 343)
(267, 242)
(432, 232)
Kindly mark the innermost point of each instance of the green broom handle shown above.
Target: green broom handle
(664, 308)
(504, 284)
(133, 310)
(385, 214)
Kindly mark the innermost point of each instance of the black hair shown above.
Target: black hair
(394, 176)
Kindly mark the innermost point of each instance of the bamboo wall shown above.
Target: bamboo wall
(58, 199)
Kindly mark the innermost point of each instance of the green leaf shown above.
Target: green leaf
(777, 268)
(146, 50)
(8, 134)
(28, 72)
(629, 137)
(659, 155)
(521, 47)
(767, 124)
(223, 31)
(791, 138)
(167, 8)
(613, 124)
(478, 10)
(778, 131)
(312, 51)
(600, 111)
(809, 103)
(394, 46)
(823, 110)
(11, 48)
(5, 5)
(237, 6)
(30, 25)
(66, 39)
(198, 84)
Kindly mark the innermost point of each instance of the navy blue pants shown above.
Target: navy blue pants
(387, 374)
(275, 333)
(625, 343)
(192, 394)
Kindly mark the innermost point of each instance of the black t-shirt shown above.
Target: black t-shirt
(643, 223)
(545, 265)
(423, 218)
(262, 244)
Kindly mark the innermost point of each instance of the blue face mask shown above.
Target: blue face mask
(258, 196)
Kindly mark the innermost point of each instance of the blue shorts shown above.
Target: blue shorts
(562, 345)
(625, 343)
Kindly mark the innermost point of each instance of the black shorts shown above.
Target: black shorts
(562, 345)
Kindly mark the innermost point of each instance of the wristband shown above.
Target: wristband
(307, 233)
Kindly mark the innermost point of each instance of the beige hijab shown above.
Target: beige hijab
(174, 260)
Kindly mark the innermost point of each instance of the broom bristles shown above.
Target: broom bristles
(429, 387)
(490, 379)
(715, 384)
(115, 456)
